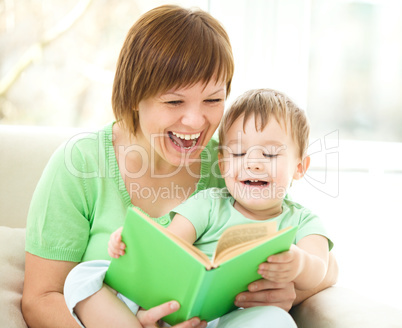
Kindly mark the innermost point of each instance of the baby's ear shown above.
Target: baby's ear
(302, 168)
(223, 164)
(220, 162)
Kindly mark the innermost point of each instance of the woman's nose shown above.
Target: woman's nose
(194, 118)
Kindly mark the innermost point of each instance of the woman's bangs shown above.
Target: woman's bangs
(203, 61)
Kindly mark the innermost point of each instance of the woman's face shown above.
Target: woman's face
(179, 123)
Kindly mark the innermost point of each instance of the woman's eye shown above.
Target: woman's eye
(214, 101)
(238, 154)
(270, 155)
(174, 102)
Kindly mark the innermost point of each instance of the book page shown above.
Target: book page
(244, 234)
(235, 250)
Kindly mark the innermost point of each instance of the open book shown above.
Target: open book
(159, 266)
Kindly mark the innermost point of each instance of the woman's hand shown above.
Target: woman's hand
(264, 292)
(149, 318)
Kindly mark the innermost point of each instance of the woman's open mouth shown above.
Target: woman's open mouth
(184, 141)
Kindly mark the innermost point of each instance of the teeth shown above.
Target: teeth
(247, 182)
(193, 137)
(187, 136)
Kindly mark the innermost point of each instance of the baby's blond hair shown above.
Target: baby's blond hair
(265, 104)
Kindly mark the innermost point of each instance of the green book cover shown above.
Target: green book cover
(156, 269)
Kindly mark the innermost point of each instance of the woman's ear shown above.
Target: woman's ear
(302, 168)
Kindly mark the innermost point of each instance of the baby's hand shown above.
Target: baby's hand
(283, 267)
(116, 246)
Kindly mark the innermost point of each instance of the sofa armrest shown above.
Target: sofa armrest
(338, 307)
(25, 152)
(12, 265)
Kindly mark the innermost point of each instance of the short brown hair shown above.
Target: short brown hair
(265, 104)
(169, 47)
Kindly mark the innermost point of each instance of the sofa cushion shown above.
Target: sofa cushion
(338, 307)
(12, 263)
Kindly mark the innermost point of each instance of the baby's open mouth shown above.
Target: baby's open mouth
(255, 182)
(186, 141)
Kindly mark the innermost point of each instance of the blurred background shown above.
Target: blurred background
(340, 60)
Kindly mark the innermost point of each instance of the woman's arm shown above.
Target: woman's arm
(43, 302)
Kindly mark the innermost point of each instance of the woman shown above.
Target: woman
(173, 76)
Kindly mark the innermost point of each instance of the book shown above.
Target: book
(159, 266)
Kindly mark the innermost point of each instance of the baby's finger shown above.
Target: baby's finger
(284, 257)
(117, 235)
(115, 251)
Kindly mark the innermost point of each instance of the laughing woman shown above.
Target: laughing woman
(173, 76)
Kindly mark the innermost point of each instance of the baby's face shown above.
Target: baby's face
(258, 166)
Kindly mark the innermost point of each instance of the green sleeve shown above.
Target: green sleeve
(311, 224)
(58, 219)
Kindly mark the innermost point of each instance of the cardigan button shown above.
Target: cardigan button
(163, 221)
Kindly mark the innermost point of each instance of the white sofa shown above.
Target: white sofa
(24, 151)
